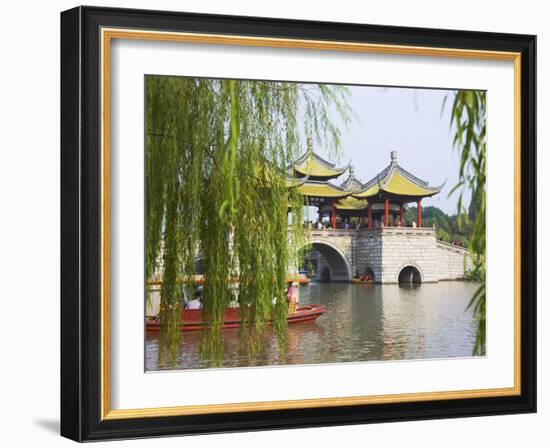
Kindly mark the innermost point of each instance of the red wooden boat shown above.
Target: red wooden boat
(192, 319)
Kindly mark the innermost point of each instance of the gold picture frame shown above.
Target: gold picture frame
(118, 25)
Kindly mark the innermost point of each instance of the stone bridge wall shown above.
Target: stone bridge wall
(452, 261)
(387, 251)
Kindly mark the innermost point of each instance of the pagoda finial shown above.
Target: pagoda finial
(309, 145)
(394, 157)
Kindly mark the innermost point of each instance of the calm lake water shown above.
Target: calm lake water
(362, 323)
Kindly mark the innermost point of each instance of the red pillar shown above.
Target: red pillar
(333, 217)
(419, 213)
(402, 223)
(370, 217)
(387, 217)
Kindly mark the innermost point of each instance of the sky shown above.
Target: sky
(407, 120)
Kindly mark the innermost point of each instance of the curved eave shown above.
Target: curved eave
(313, 165)
(322, 190)
(381, 192)
(368, 192)
(321, 173)
(296, 182)
(402, 183)
(351, 204)
(420, 193)
(405, 185)
(398, 182)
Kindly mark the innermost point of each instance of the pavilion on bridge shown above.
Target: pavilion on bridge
(382, 197)
(312, 174)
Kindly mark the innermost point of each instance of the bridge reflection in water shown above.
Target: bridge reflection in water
(363, 323)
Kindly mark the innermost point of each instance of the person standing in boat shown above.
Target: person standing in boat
(234, 302)
(297, 289)
(292, 297)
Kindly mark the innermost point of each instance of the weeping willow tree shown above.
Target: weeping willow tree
(469, 120)
(216, 185)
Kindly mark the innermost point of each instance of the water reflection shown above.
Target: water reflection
(363, 323)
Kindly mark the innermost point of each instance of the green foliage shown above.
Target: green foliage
(442, 235)
(216, 157)
(474, 275)
(469, 120)
(449, 227)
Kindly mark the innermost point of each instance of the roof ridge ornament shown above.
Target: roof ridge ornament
(393, 156)
(309, 144)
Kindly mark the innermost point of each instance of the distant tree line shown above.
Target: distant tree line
(449, 228)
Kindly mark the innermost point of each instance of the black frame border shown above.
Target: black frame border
(81, 223)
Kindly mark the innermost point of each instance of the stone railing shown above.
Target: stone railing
(453, 247)
(400, 230)
(328, 233)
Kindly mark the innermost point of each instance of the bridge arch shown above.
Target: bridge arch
(337, 266)
(409, 273)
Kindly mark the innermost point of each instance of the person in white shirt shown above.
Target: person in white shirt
(292, 297)
(196, 303)
(234, 302)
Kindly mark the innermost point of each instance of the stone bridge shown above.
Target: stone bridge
(389, 255)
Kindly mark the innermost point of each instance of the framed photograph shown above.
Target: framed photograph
(276, 224)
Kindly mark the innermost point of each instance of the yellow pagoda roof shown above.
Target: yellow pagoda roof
(395, 180)
(312, 165)
(350, 203)
(322, 189)
(368, 191)
(295, 182)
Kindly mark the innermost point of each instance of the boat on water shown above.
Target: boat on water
(358, 281)
(191, 320)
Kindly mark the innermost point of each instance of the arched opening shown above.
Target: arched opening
(409, 275)
(325, 275)
(329, 263)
